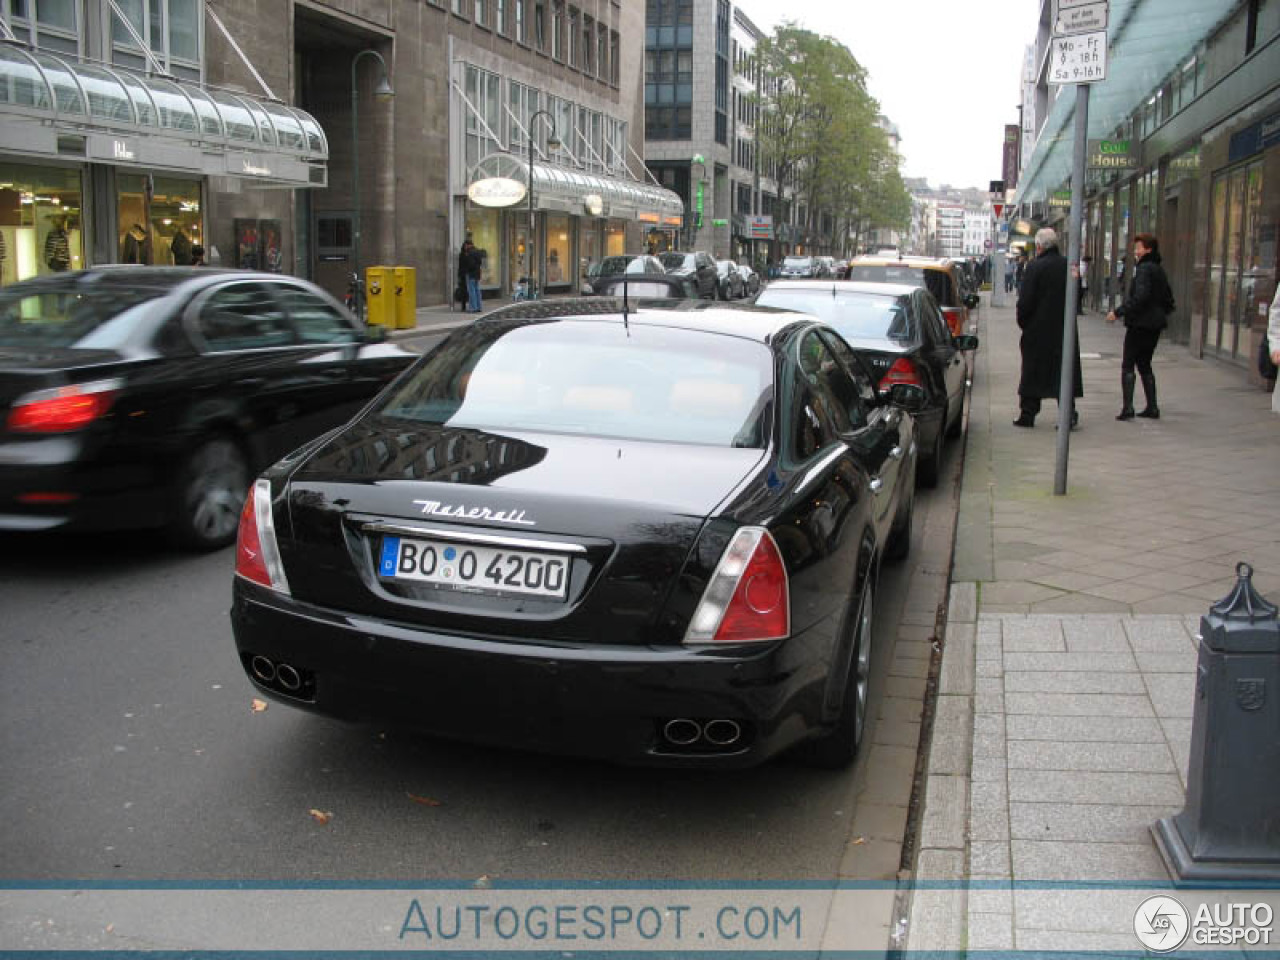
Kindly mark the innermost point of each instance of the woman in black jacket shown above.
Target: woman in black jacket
(1145, 310)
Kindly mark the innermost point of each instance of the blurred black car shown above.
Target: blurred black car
(600, 273)
(900, 332)
(139, 396)
(798, 268)
(698, 266)
(652, 538)
(730, 284)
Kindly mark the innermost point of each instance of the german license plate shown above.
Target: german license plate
(474, 568)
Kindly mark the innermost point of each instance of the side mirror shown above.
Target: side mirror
(909, 396)
(971, 301)
(966, 341)
(374, 333)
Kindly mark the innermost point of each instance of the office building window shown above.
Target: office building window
(557, 30)
(573, 36)
(522, 35)
(588, 45)
(602, 56)
(482, 11)
(540, 24)
(614, 63)
(170, 28)
(500, 16)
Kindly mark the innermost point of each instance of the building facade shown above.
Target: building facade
(1194, 158)
(277, 108)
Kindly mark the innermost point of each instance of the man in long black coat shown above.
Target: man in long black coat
(1042, 301)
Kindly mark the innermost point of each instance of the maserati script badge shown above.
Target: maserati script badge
(435, 508)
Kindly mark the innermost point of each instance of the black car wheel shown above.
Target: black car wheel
(931, 465)
(838, 748)
(210, 494)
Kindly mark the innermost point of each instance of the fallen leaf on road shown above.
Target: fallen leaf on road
(859, 841)
(258, 706)
(319, 816)
(482, 882)
(111, 927)
(426, 801)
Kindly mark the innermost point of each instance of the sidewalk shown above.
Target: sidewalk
(441, 319)
(1063, 719)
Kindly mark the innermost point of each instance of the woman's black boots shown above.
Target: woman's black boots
(1152, 411)
(1127, 381)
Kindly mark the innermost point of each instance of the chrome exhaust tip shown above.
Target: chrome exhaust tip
(263, 669)
(290, 679)
(682, 733)
(722, 733)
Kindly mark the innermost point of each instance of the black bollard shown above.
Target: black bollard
(1229, 829)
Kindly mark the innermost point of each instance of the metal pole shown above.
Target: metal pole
(384, 89)
(532, 281)
(1066, 391)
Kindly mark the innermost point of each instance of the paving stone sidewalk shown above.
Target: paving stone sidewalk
(1064, 712)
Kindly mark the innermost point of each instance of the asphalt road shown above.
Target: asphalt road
(129, 750)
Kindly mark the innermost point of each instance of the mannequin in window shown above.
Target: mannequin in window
(180, 249)
(554, 273)
(137, 246)
(57, 248)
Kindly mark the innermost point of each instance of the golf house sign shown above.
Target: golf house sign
(496, 192)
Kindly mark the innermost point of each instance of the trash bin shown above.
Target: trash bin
(406, 292)
(379, 297)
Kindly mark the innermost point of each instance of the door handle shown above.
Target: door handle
(896, 453)
(876, 484)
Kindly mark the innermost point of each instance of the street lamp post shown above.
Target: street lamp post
(553, 143)
(695, 221)
(383, 91)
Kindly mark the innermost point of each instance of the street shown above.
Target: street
(132, 750)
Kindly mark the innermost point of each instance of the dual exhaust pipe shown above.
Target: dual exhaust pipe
(283, 675)
(686, 733)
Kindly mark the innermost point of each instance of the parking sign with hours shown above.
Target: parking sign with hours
(1081, 59)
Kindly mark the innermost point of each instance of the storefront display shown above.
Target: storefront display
(158, 218)
(589, 240)
(519, 252)
(559, 245)
(615, 238)
(40, 226)
(484, 230)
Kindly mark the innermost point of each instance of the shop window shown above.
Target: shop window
(40, 225)
(483, 229)
(159, 219)
(559, 251)
(615, 239)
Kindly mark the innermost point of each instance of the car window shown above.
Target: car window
(595, 378)
(315, 320)
(855, 315)
(677, 261)
(938, 283)
(65, 317)
(864, 390)
(243, 316)
(933, 322)
(831, 387)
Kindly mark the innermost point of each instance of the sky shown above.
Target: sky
(946, 72)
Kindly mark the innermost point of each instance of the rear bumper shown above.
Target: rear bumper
(601, 701)
(51, 487)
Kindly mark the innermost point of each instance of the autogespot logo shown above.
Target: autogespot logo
(1161, 923)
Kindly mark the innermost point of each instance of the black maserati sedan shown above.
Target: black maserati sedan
(649, 536)
(151, 396)
(901, 334)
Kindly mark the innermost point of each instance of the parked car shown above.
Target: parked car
(899, 331)
(750, 280)
(615, 266)
(142, 396)
(798, 268)
(652, 538)
(649, 286)
(729, 282)
(940, 276)
(826, 266)
(699, 266)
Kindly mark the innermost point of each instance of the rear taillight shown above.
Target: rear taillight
(62, 409)
(257, 553)
(955, 320)
(747, 600)
(902, 371)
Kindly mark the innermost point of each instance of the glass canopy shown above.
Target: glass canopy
(571, 188)
(79, 96)
(1146, 41)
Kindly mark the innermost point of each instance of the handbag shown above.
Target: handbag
(1266, 368)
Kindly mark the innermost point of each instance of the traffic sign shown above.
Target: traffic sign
(1089, 18)
(998, 208)
(1068, 4)
(1080, 59)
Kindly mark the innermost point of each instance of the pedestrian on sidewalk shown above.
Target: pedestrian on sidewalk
(1042, 303)
(1273, 342)
(469, 270)
(1145, 311)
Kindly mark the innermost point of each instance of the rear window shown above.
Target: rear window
(853, 315)
(594, 379)
(798, 262)
(611, 266)
(935, 281)
(677, 261)
(95, 320)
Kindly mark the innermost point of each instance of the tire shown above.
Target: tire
(838, 748)
(928, 471)
(899, 543)
(209, 496)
